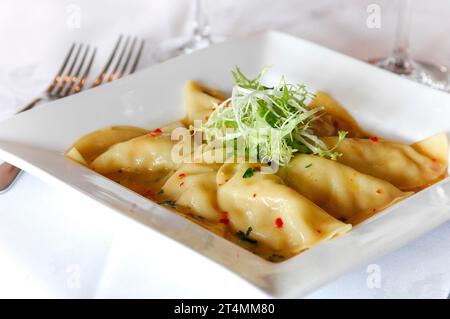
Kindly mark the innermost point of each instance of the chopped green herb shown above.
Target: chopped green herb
(309, 165)
(249, 230)
(248, 173)
(161, 191)
(170, 203)
(244, 236)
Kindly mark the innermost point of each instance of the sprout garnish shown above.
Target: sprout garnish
(280, 111)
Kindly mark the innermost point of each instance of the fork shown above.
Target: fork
(120, 68)
(63, 86)
(69, 79)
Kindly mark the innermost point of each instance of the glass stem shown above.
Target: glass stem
(201, 25)
(402, 61)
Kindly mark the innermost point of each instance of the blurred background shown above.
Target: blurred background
(35, 35)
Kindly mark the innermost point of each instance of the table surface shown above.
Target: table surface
(54, 245)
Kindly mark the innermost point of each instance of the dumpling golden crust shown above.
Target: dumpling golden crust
(193, 186)
(93, 144)
(408, 167)
(199, 102)
(141, 154)
(275, 214)
(334, 118)
(340, 190)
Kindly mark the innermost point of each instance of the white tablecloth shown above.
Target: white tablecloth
(54, 245)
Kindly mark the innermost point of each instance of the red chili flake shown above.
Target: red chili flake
(206, 117)
(181, 184)
(374, 139)
(434, 160)
(224, 219)
(319, 231)
(213, 108)
(374, 210)
(279, 222)
(379, 191)
(257, 168)
(335, 124)
(155, 132)
(182, 175)
(254, 195)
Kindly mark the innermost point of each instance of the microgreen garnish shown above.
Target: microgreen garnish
(309, 165)
(280, 111)
(244, 236)
(161, 191)
(248, 173)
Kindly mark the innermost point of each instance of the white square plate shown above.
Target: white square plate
(382, 102)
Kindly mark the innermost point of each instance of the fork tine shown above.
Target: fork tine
(102, 75)
(61, 69)
(68, 76)
(83, 79)
(127, 61)
(119, 60)
(74, 78)
(138, 56)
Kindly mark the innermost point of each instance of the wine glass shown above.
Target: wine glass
(200, 37)
(400, 61)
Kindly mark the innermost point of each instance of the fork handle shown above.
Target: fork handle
(8, 172)
(30, 105)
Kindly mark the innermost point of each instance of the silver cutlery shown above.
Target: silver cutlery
(71, 79)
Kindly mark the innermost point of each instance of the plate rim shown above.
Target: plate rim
(55, 180)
